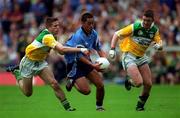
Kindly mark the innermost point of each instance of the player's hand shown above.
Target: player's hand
(85, 51)
(112, 54)
(97, 67)
(157, 46)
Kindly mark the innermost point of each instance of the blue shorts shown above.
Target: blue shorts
(78, 69)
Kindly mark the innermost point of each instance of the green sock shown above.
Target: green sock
(65, 104)
(17, 74)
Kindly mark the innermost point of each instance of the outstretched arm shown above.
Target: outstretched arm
(65, 49)
(50, 41)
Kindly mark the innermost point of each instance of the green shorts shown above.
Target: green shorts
(30, 68)
(130, 59)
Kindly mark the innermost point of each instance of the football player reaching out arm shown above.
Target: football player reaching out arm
(34, 62)
(65, 49)
(136, 38)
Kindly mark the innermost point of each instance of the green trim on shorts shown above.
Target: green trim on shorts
(123, 62)
(17, 74)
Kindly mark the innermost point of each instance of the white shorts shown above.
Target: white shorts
(30, 68)
(130, 59)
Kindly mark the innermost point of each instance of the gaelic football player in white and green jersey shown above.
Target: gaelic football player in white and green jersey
(136, 38)
(34, 61)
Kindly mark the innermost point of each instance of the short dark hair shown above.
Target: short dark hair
(50, 20)
(85, 16)
(149, 13)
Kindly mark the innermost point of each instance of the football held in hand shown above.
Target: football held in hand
(104, 63)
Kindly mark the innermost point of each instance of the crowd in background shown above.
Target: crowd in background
(22, 20)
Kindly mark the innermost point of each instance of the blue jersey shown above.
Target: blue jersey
(80, 38)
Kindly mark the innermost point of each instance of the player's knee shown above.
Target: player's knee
(138, 84)
(85, 91)
(28, 93)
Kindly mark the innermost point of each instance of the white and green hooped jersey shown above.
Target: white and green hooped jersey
(41, 46)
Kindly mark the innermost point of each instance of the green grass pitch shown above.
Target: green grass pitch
(164, 102)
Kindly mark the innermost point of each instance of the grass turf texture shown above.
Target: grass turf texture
(164, 102)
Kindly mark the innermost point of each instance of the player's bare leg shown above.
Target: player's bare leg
(147, 84)
(97, 80)
(82, 85)
(135, 78)
(25, 84)
(48, 77)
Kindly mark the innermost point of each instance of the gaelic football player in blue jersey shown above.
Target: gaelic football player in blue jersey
(80, 68)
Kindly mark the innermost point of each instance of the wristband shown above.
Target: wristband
(83, 49)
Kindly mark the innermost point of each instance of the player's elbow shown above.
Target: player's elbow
(60, 49)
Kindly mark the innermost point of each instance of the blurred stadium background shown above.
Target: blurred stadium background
(21, 21)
